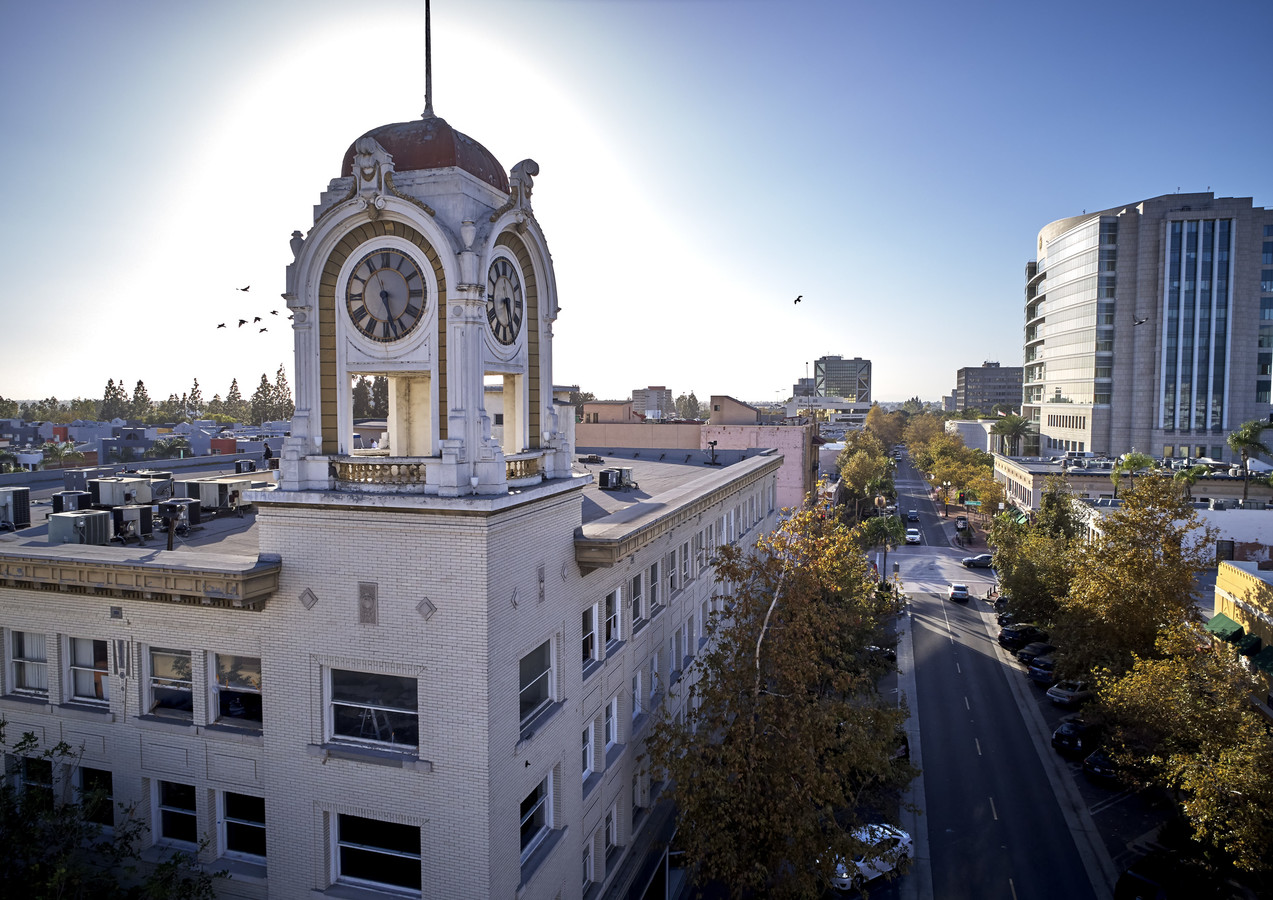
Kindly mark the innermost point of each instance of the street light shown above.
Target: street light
(945, 496)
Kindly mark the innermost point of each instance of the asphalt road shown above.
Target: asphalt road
(994, 824)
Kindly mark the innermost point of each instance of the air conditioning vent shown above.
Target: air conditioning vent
(15, 508)
(131, 522)
(70, 501)
(90, 526)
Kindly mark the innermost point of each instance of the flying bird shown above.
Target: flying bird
(244, 289)
(1140, 321)
(799, 298)
(263, 329)
(242, 322)
(255, 319)
(274, 312)
(222, 325)
(291, 317)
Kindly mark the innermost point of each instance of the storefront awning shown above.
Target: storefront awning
(1249, 645)
(1224, 628)
(1264, 660)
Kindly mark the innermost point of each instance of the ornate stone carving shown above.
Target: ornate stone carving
(521, 184)
(368, 603)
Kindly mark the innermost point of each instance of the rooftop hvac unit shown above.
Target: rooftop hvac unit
(1253, 504)
(77, 479)
(160, 483)
(1217, 503)
(131, 522)
(244, 465)
(69, 501)
(88, 526)
(15, 508)
(608, 479)
(183, 512)
(124, 491)
(218, 496)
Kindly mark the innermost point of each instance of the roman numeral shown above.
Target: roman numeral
(359, 313)
(411, 313)
(384, 260)
(416, 294)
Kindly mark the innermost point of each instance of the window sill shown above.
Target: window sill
(165, 722)
(593, 779)
(538, 855)
(592, 667)
(638, 625)
(243, 871)
(359, 892)
(539, 720)
(28, 700)
(613, 752)
(614, 647)
(87, 711)
(234, 733)
(370, 755)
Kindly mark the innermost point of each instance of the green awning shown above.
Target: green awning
(1224, 628)
(1249, 645)
(1264, 659)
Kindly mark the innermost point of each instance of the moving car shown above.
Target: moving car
(961, 523)
(912, 536)
(1032, 651)
(980, 561)
(890, 846)
(958, 592)
(1016, 636)
(1074, 737)
(912, 515)
(1070, 693)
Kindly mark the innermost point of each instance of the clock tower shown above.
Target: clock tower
(425, 265)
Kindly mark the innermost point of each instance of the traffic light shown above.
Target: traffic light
(961, 496)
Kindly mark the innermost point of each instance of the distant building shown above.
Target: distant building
(988, 385)
(1149, 327)
(848, 379)
(805, 387)
(595, 411)
(654, 402)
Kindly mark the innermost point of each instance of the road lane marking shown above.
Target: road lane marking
(978, 743)
(993, 812)
(1012, 887)
(958, 670)
(966, 706)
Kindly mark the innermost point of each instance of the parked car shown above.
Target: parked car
(1070, 693)
(912, 536)
(890, 846)
(1005, 618)
(958, 592)
(1042, 670)
(1032, 651)
(1075, 737)
(1100, 767)
(961, 523)
(1166, 875)
(882, 653)
(980, 561)
(912, 515)
(1016, 636)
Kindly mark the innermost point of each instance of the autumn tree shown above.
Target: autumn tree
(1133, 578)
(781, 730)
(887, 426)
(115, 404)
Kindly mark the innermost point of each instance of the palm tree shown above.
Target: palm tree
(8, 461)
(169, 447)
(1130, 464)
(1010, 430)
(60, 454)
(884, 530)
(1245, 440)
(1188, 477)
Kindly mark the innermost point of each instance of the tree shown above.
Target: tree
(262, 401)
(1185, 721)
(59, 454)
(783, 731)
(281, 396)
(1128, 465)
(362, 398)
(115, 404)
(1246, 440)
(913, 406)
(1010, 430)
(8, 408)
(8, 462)
(194, 400)
(235, 405)
(1132, 579)
(888, 532)
(55, 849)
(140, 407)
(1187, 478)
(578, 399)
(886, 426)
(380, 396)
(174, 447)
(688, 407)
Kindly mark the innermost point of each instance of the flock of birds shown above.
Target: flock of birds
(256, 320)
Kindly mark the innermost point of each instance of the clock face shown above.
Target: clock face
(504, 301)
(386, 298)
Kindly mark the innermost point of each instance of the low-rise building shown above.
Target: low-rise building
(1244, 615)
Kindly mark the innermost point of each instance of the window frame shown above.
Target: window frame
(247, 690)
(19, 662)
(543, 804)
(160, 819)
(549, 674)
(612, 620)
(611, 829)
(588, 749)
(589, 648)
(175, 685)
(637, 696)
(634, 601)
(225, 819)
(332, 702)
(340, 844)
(100, 676)
(611, 724)
(91, 814)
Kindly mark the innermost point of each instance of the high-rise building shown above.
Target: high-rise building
(654, 402)
(848, 379)
(988, 385)
(1149, 327)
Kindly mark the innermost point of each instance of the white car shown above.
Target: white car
(889, 847)
(912, 536)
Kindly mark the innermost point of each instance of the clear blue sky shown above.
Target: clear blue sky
(702, 162)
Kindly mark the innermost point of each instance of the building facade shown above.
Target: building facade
(424, 669)
(848, 379)
(988, 385)
(1149, 327)
(654, 402)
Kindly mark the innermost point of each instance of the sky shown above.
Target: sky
(702, 164)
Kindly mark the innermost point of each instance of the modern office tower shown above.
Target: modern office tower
(1149, 327)
(654, 402)
(849, 379)
(988, 385)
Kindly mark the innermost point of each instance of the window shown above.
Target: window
(30, 664)
(634, 600)
(612, 617)
(96, 795)
(34, 777)
(242, 825)
(375, 708)
(238, 687)
(178, 821)
(654, 588)
(636, 796)
(536, 681)
(589, 650)
(536, 817)
(90, 680)
(673, 574)
(589, 760)
(685, 563)
(636, 695)
(612, 723)
(587, 864)
(654, 673)
(382, 854)
(170, 683)
(612, 829)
